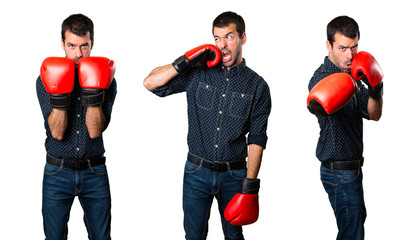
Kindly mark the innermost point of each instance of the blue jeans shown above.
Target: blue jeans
(345, 192)
(200, 186)
(61, 185)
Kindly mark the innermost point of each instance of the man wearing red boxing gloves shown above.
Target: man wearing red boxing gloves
(76, 95)
(340, 100)
(225, 102)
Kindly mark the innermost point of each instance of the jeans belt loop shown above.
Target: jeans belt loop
(201, 163)
(89, 163)
(332, 166)
(228, 166)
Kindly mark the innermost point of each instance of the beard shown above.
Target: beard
(230, 59)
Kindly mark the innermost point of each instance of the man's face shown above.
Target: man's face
(342, 51)
(75, 46)
(230, 44)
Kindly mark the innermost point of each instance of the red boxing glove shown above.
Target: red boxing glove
(365, 67)
(196, 57)
(243, 209)
(95, 75)
(58, 74)
(331, 94)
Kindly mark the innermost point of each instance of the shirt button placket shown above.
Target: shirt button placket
(220, 112)
(77, 149)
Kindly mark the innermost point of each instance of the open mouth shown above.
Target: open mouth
(226, 56)
(348, 65)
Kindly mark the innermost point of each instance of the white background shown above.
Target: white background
(146, 140)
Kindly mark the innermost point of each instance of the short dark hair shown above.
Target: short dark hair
(78, 24)
(226, 18)
(343, 25)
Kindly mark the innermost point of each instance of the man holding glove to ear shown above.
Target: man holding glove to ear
(225, 102)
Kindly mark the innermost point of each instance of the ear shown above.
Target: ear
(328, 46)
(243, 38)
(92, 44)
(63, 44)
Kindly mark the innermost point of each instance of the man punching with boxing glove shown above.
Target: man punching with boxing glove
(225, 102)
(76, 95)
(340, 99)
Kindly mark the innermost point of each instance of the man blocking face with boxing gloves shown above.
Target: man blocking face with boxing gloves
(226, 101)
(76, 95)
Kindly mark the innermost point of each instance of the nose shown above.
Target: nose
(222, 43)
(78, 52)
(350, 53)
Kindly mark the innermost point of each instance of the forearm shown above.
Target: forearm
(255, 153)
(95, 121)
(159, 77)
(375, 108)
(58, 122)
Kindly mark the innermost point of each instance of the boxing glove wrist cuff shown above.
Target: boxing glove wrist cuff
(181, 65)
(60, 101)
(250, 186)
(92, 97)
(376, 92)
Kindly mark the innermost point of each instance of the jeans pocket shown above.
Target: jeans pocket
(51, 169)
(191, 167)
(99, 169)
(353, 187)
(238, 174)
(331, 190)
(351, 176)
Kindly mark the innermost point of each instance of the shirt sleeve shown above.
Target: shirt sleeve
(107, 105)
(176, 85)
(362, 97)
(260, 113)
(43, 98)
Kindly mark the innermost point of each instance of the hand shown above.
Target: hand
(95, 75)
(58, 74)
(243, 209)
(196, 57)
(331, 94)
(365, 67)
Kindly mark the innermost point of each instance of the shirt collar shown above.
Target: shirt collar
(238, 68)
(330, 65)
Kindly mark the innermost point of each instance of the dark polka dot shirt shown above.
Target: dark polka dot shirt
(76, 143)
(223, 107)
(341, 135)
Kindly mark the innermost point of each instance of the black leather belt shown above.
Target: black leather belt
(343, 165)
(218, 166)
(77, 164)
